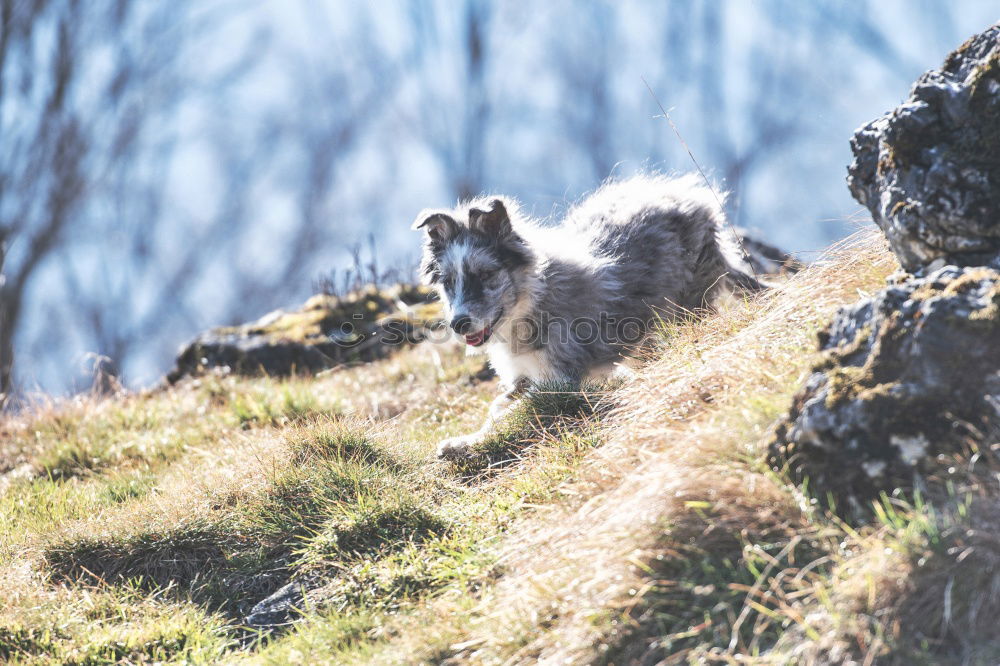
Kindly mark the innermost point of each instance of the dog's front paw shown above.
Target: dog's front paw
(457, 448)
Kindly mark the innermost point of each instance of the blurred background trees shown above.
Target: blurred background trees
(166, 167)
(81, 85)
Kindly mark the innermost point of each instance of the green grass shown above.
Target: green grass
(239, 549)
(142, 633)
(548, 412)
(263, 408)
(124, 546)
(618, 523)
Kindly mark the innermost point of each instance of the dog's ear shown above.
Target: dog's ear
(438, 224)
(493, 222)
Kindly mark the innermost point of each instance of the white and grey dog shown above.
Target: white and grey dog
(562, 303)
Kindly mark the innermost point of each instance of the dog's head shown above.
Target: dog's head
(477, 261)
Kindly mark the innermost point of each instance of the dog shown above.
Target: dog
(563, 304)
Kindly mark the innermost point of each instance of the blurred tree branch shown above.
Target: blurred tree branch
(166, 166)
(79, 85)
(41, 170)
(455, 110)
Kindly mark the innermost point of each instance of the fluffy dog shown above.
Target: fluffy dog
(562, 303)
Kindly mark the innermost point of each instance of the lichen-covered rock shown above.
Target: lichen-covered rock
(905, 375)
(327, 331)
(929, 171)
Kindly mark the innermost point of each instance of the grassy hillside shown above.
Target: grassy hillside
(628, 524)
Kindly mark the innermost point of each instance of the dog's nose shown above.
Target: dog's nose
(462, 324)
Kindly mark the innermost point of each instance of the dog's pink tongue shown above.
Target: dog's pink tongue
(476, 339)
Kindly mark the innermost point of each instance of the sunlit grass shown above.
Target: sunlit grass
(262, 482)
(621, 523)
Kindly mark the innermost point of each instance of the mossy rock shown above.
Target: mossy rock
(929, 170)
(908, 377)
(325, 332)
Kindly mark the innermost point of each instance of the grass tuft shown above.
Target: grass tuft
(545, 413)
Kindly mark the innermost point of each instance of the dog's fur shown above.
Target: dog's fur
(636, 250)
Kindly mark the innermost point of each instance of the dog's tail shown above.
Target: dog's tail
(738, 271)
(746, 282)
(741, 273)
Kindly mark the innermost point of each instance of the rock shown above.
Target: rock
(905, 375)
(327, 331)
(929, 171)
(912, 375)
(279, 609)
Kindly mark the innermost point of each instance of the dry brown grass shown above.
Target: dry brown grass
(681, 441)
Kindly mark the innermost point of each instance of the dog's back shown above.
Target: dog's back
(636, 250)
(661, 241)
(557, 302)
